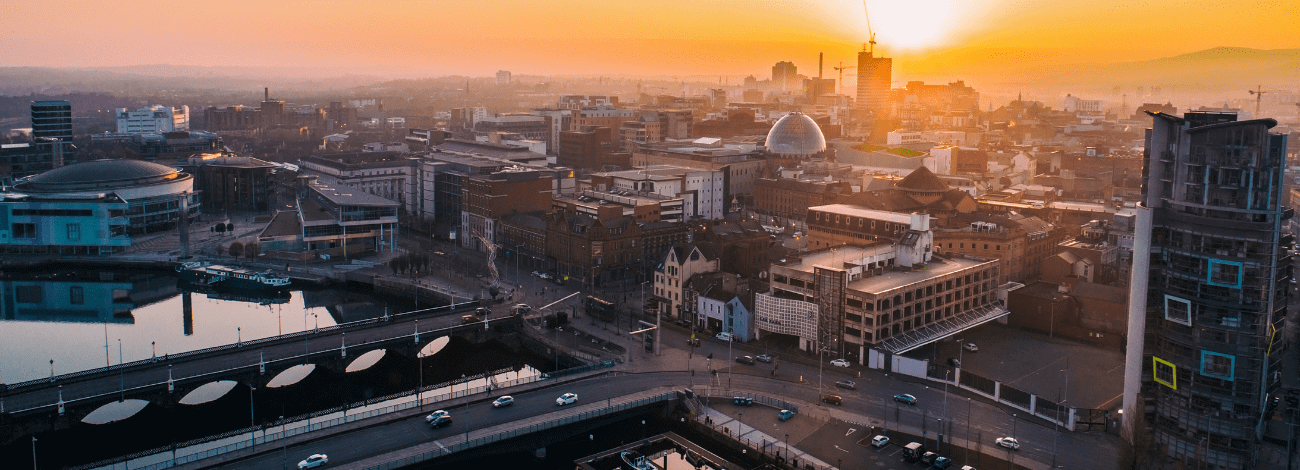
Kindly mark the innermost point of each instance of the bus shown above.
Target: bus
(599, 308)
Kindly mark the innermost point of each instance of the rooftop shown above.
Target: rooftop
(856, 211)
(345, 196)
(891, 279)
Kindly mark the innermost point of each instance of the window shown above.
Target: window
(1224, 274)
(1217, 365)
(28, 294)
(1165, 372)
(1178, 310)
(24, 230)
(76, 295)
(74, 231)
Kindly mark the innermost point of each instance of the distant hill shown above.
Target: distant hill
(148, 80)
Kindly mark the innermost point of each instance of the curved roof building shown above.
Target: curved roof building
(797, 136)
(129, 179)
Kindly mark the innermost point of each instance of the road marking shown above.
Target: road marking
(851, 431)
(841, 450)
(1107, 402)
(1040, 369)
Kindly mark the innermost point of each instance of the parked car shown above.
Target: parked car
(436, 415)
(929, 457)
(444, 420)
(847, 384)
(764, 358)
(832, 399)
(742, 401)
(1008, 442)
(785, 415)
(725, 336)
(314, 461)
(942, 462)
(748, 360)
(879, 441)
(840, 362)
(544, 276)
(967, 467)
(557, 280)
(971, 347)
(503, 401)
(566, 399)
(952, 361)
(905, 398)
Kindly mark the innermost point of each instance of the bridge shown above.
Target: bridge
(59, 401)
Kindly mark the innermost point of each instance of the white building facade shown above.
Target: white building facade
(153, 119)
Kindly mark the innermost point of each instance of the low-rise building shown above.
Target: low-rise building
(682, 261)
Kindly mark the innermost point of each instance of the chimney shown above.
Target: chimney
(266, 94)
(820, 57)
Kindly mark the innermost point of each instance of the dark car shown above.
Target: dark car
(929, 457)
(905, 398)
(952, 361)
(559, 281)
(748, 360)
(742, 401)
(832, 399)
(440, 421)
(482, 311)
(847, 384)
(764, 358)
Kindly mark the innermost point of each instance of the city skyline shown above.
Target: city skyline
(663, 38)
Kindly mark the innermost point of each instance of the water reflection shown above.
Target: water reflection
(71, 321)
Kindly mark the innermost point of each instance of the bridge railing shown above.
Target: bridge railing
(166, 457)
(523, 430)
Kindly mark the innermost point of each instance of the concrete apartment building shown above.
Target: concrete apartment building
(702, 192)
(742, 162)
(152, 119)
(1209, 292)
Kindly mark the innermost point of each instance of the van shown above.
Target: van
(913, 451)
(467, 319)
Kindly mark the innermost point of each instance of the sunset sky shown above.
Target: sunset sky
(656, 37)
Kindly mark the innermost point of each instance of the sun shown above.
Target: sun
(915, 24)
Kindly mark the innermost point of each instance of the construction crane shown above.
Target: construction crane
(841, 69)
(1259, 96)
(870, 33)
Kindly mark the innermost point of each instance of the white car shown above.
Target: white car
(970, 347)
(504, 400)
(435, 415)
(314, 461)
(724, 336)
(566, 399)
(879, 441)
(840, 362)
(1008, 442)
(522, 308)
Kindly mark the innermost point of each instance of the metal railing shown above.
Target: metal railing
(523, 430)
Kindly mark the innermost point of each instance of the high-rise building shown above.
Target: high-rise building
(784, 75)
(875, 74)
(1208, 300)
(503, 77)
(52, 120)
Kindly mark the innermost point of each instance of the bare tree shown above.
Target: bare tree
(236, 249)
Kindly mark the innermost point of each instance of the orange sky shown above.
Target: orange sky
(654, 37)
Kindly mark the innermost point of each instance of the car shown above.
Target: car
(847, 384)
(537, 274)
(693, 341)
(436, 415)
(971, 347)
(725, 336)
(566, 399)
(840, 362)
(764, 358)
(314, 461)
(522, 308)
(929, 457)
(967, 467)
(742, 401)
(832, 399)
(503, 401)
(544, 276)
(879, 441)
(942, 462)
(557, 280)
(952, 361)
(905, 398)
(748, 360)
(784, 415)
(482, 311)
(1008, 442)
(444, 420)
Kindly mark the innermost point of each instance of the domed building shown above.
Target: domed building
(796, 136)
(93, 207)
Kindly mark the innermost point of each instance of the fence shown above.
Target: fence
(713, 392)
(408, 401)
(523, 430)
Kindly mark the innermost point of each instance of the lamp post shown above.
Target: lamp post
(33, 452)
(284, 438)
(730, 340)
(1056, 431)
(1010, 456)
(945, 408)
(252, 420)
(968, 420)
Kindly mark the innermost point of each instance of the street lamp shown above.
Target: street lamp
(968, 420)
(284, 438)
(1010, 456)
(252, 421)
(945, 408)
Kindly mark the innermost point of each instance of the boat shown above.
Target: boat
(637, 461)
(201, 273)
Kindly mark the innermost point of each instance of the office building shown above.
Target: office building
(503, 77)
(1208, 296)
(153, 119)
(875, 75)
(52, 120)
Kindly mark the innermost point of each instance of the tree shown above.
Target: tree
(220, 228)
(230, 228)
(236, 249)
(251, 250)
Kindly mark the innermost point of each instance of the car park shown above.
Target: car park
(784, 415)
(879, 441)
(847, 384)
(747, 360)
(905, 398)
(441, 421)
(436, 415)
(840, 362)
(503, 401)
(314, 461)
(742, 401)
(764, 358)
(1008, 442)
(832, 399)
(971, 347)
(566, 399)
(725, 336)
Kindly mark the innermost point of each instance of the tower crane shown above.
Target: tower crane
(1259, 96)
(841, 69)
